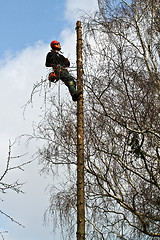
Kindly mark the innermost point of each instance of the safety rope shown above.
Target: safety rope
(59, 101)
(59, 116)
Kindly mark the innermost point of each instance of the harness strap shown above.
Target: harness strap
(58, 69)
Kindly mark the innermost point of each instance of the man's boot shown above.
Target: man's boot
(75, 95)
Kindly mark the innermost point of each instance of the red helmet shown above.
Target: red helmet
(54, 45)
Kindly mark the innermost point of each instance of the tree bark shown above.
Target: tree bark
(80, 141)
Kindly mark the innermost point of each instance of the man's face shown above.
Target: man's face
(58, 46)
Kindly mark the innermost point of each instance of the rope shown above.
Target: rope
(59, 101)
(58, 148)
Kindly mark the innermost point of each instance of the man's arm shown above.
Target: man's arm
(49, 60)
(67, 62)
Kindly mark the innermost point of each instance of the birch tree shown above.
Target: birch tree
(6, 184)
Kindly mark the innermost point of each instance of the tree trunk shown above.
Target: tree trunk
(80, 141)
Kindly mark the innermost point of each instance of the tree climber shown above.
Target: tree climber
(59, 64)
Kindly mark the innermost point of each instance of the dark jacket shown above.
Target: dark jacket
(54, 58)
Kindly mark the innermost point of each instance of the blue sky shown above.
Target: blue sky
(27, 27)
(23, 22)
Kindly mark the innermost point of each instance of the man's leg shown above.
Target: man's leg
(70, 83)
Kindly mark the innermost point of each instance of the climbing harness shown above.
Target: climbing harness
(54, 75)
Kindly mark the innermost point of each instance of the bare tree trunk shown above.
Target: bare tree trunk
(80, 141)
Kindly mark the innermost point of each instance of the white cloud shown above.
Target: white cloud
(17, 77)
(69, 44)
(76, 8)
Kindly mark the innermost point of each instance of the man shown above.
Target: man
(59, 64)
